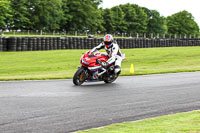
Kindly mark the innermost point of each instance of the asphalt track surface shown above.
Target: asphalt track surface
(57, 106)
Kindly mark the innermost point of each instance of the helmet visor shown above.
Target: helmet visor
(108, 43)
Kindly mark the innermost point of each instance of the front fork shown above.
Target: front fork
(86, 73)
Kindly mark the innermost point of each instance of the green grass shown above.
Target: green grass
(178, 123)
(59, 64)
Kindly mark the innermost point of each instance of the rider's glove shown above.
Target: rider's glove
(90, 53)
(104, 64)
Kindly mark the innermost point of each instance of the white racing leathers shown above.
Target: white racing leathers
(113, 53)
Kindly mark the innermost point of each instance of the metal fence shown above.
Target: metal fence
(54, 43)
(96, 34)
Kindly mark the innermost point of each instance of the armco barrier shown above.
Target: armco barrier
(54, 43)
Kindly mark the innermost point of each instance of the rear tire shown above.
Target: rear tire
(79, 76)
(111, 79)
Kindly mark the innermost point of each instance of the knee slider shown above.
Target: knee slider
(117, 69)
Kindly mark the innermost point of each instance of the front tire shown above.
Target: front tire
(79, 76)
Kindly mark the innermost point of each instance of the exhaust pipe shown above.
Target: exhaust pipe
(104, 70)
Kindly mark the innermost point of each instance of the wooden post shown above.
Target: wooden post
(164, 36)
(41, 32)
(158, 36)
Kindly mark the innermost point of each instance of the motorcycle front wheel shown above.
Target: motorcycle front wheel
(79, 76)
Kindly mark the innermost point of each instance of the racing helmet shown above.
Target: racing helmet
(108, 40)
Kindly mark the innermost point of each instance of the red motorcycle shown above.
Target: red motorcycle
(92, 70)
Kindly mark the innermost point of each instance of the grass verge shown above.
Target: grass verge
(177, 123)
(60, 64)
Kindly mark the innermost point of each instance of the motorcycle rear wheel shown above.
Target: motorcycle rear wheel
(79, 76)
(110, 80)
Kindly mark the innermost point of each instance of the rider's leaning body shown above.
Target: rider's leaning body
(112, 50)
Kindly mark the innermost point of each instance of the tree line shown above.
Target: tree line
(85, 15)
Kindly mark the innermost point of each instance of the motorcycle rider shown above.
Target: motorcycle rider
(113, 52)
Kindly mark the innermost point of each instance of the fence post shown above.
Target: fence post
(164, 36)
(197, 36)
(158, 35)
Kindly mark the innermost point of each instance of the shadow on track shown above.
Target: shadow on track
(97, 85)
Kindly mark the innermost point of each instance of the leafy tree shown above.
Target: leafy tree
(118, 19)
(83, 14)
(66, 15)
(21, 14)
(100, 21)
(135, 18)
(37, 14)
(46, 14)
(108, 21)
(5, 14)
(156, 23)
(95, 18)
(182, 23)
